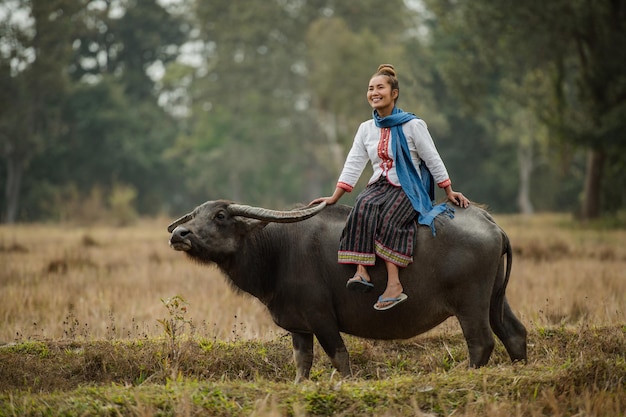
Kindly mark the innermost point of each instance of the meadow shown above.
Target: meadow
(110, 321)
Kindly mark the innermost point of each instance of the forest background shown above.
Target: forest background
(113, 109)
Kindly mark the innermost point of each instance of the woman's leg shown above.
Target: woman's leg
(361, 280)
(356, 245)
(362, 270)
(394, 287)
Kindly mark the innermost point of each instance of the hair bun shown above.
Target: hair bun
(386, 69)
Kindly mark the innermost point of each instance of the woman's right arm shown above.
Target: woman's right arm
(353, 167)
(339, 192)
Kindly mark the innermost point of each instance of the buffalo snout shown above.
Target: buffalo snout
(179, 240)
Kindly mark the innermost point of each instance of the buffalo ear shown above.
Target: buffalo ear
(250, 225)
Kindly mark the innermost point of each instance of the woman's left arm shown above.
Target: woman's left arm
(456, 197)
(427, 151)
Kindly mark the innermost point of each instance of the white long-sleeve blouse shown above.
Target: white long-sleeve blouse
(374, 144)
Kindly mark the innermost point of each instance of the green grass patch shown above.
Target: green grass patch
(570, 371)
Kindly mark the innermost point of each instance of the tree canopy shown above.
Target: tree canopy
(161, 105)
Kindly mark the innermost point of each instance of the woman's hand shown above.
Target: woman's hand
(328, 200)
(457, 198)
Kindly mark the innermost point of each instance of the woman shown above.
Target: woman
(382, 221)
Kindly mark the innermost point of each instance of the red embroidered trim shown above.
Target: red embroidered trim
(444, 184)
(383, 150)
(345, 186)
(392, 256)
(347, 257)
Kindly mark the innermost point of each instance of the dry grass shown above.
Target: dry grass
(564, 274)
(59, 282)
(80, 309)
(106, 283)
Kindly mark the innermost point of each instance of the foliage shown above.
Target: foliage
(33, 82)
(258, 101)
(91, 117)
(122, 201)
(565, 60)
(174, 328)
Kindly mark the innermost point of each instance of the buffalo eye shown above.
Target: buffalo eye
(220, 216)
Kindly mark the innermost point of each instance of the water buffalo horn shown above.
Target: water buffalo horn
(178, 222)
(290, 216)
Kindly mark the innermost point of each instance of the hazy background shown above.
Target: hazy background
(113, 109)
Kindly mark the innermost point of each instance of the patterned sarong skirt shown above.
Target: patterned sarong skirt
(382, 223)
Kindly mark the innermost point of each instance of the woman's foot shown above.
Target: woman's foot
(359, 283)
(388, 303)
(393, 295)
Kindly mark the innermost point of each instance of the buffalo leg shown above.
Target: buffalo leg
(335, 348)
(479, 338)
(302, 354)
(510, 331)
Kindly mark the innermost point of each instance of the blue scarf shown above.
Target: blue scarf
(421, 192)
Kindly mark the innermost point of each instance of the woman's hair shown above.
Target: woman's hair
(389, 71)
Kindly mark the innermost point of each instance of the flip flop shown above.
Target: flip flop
(393, 300)
(358, 283)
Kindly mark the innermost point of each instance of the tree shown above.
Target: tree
(246, 120)
(447, 84)
(81, 104)
(114, 104)
(282, 78)
(110, 139)
(338, 74)
(343, 50)
(32, 83)
(124, 39)
(579, 46)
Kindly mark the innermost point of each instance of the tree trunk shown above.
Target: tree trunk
(15, 171)
(593, 181)
(525, 161)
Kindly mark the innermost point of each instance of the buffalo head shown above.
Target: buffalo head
(213, 229)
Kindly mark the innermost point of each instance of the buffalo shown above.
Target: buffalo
(288, 260)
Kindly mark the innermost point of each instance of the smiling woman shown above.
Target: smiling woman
(384, 219)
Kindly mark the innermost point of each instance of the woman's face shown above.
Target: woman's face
(380, 96)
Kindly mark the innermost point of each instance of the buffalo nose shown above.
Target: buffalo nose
(179, 234)
(180, 239)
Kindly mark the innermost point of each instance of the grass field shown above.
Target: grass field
(86, 330)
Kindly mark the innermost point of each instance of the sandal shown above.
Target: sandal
(359, 283)
(393, 300)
